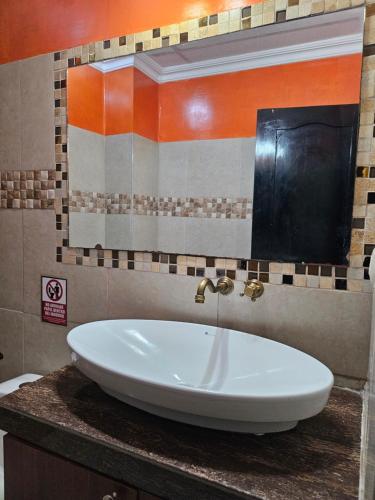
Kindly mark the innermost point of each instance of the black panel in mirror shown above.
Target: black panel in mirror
(304, 179)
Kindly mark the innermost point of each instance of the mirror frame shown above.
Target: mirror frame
(353, 277)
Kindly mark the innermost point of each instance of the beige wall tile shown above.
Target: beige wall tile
(171, 234)
(118, 231)
(10, 118)
(351, 383)
(331, 325)
(87, 293)
(145, 232)
(215, 168)
(326, 282)
(275, 278)
(220, 237)
(11, 344)
(37, 113)
(11, 262)
(145, 166)
(173, 168)
(313, 281)
(86, 230)
(118, 163)
(222, 167)
(369, 418)
(39, 254)
(152, 296)
(300, 280)
(86, 153)
(248, 147)
(276, 267)
(87, 287)
(46, 348)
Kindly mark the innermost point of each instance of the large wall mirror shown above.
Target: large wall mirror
(240, 145)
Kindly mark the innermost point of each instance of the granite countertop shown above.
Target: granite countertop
(68, 414)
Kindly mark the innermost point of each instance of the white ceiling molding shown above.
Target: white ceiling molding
(114, 64)
(320, 49)
(149, 67)
(129, 62)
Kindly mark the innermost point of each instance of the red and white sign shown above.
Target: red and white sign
(54, 308)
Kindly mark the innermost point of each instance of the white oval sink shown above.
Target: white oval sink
(202, 375)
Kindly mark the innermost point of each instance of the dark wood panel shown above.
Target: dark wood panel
(304, 182)
(34, 474)
(147, 496)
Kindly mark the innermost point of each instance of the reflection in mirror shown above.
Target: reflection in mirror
(304, 182)
(162, 144)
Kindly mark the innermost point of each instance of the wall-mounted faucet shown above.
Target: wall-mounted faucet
(253, 289)
(224, 286)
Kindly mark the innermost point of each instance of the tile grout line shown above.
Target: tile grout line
(23, 291)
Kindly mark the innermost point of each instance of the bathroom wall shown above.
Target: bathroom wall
(113, 153)
(332, 325)
(226, 105)
(41, 26)
(368, 437)
(87, 151)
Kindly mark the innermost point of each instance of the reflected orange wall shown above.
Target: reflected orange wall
(119, 96)
(86, 98)
(118, 102)
(215, 107)
(146, 106)
(226, 105)
(31, 27)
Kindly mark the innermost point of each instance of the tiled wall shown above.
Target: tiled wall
(179, 179)
(368, 453)
(330, 324)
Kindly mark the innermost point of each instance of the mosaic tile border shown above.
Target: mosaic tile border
(214, 208)
(99, 203)
(122, 203)
(27, 189)
(301, 275)
(354, 277)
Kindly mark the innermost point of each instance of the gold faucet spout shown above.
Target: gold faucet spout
(200, 297)
(224, 286)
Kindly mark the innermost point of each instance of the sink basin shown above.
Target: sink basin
(202, 375)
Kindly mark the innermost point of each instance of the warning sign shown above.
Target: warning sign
(54, 300)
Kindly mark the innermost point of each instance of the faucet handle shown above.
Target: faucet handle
(253, 289)
(225, 285)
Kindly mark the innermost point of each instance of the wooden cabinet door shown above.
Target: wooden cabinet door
(304, 183)
(34, 474)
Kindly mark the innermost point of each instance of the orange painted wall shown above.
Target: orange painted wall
(119, 100)
(31, 27)
(226, 105)
(215, 107)
(146, 106)
(86, 98)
